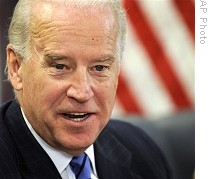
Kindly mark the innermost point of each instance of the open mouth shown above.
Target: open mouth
(76, 116)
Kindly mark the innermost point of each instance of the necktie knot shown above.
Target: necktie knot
(80, 165)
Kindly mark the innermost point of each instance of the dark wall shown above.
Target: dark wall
(6, 8)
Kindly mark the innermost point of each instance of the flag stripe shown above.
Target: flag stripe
(175, 38)
(126, 98)
(158, 57)
(187, 11)
(139, 74)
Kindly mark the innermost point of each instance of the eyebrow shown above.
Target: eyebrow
(55, 57)
(103, 59)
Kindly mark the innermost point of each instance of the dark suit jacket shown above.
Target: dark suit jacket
(122, 151)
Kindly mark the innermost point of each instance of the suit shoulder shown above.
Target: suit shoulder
(132, 136)
(125, 129)
(3, 129)
(147, 157)
(8, 164)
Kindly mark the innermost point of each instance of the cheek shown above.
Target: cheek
(107, 94)
(48, 94)
(36, 89)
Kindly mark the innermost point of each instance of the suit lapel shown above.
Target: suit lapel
(113, 159)
(33, 161)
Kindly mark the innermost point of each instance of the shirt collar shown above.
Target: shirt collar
(59, 158)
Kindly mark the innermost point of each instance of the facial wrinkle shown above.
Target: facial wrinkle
(42, 32)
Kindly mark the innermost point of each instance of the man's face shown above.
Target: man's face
(69, 84)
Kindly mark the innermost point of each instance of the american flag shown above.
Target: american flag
(157, 74)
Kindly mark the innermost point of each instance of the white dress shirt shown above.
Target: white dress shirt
(62, 159)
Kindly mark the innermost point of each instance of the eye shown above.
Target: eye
(100, 68)
(59, 66)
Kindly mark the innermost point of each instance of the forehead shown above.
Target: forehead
(64, 14)
(72, 11)
(72, 26)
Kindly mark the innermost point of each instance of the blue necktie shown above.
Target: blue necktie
(81, 166)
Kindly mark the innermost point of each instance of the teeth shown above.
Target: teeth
(77, 119)
(77, 114)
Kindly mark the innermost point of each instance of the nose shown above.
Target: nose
(80, 87)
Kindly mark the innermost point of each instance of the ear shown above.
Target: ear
(14, 63)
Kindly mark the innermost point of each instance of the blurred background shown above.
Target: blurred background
(156, 84)
(157, 76)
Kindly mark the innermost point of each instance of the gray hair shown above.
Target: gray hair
(19, 30)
